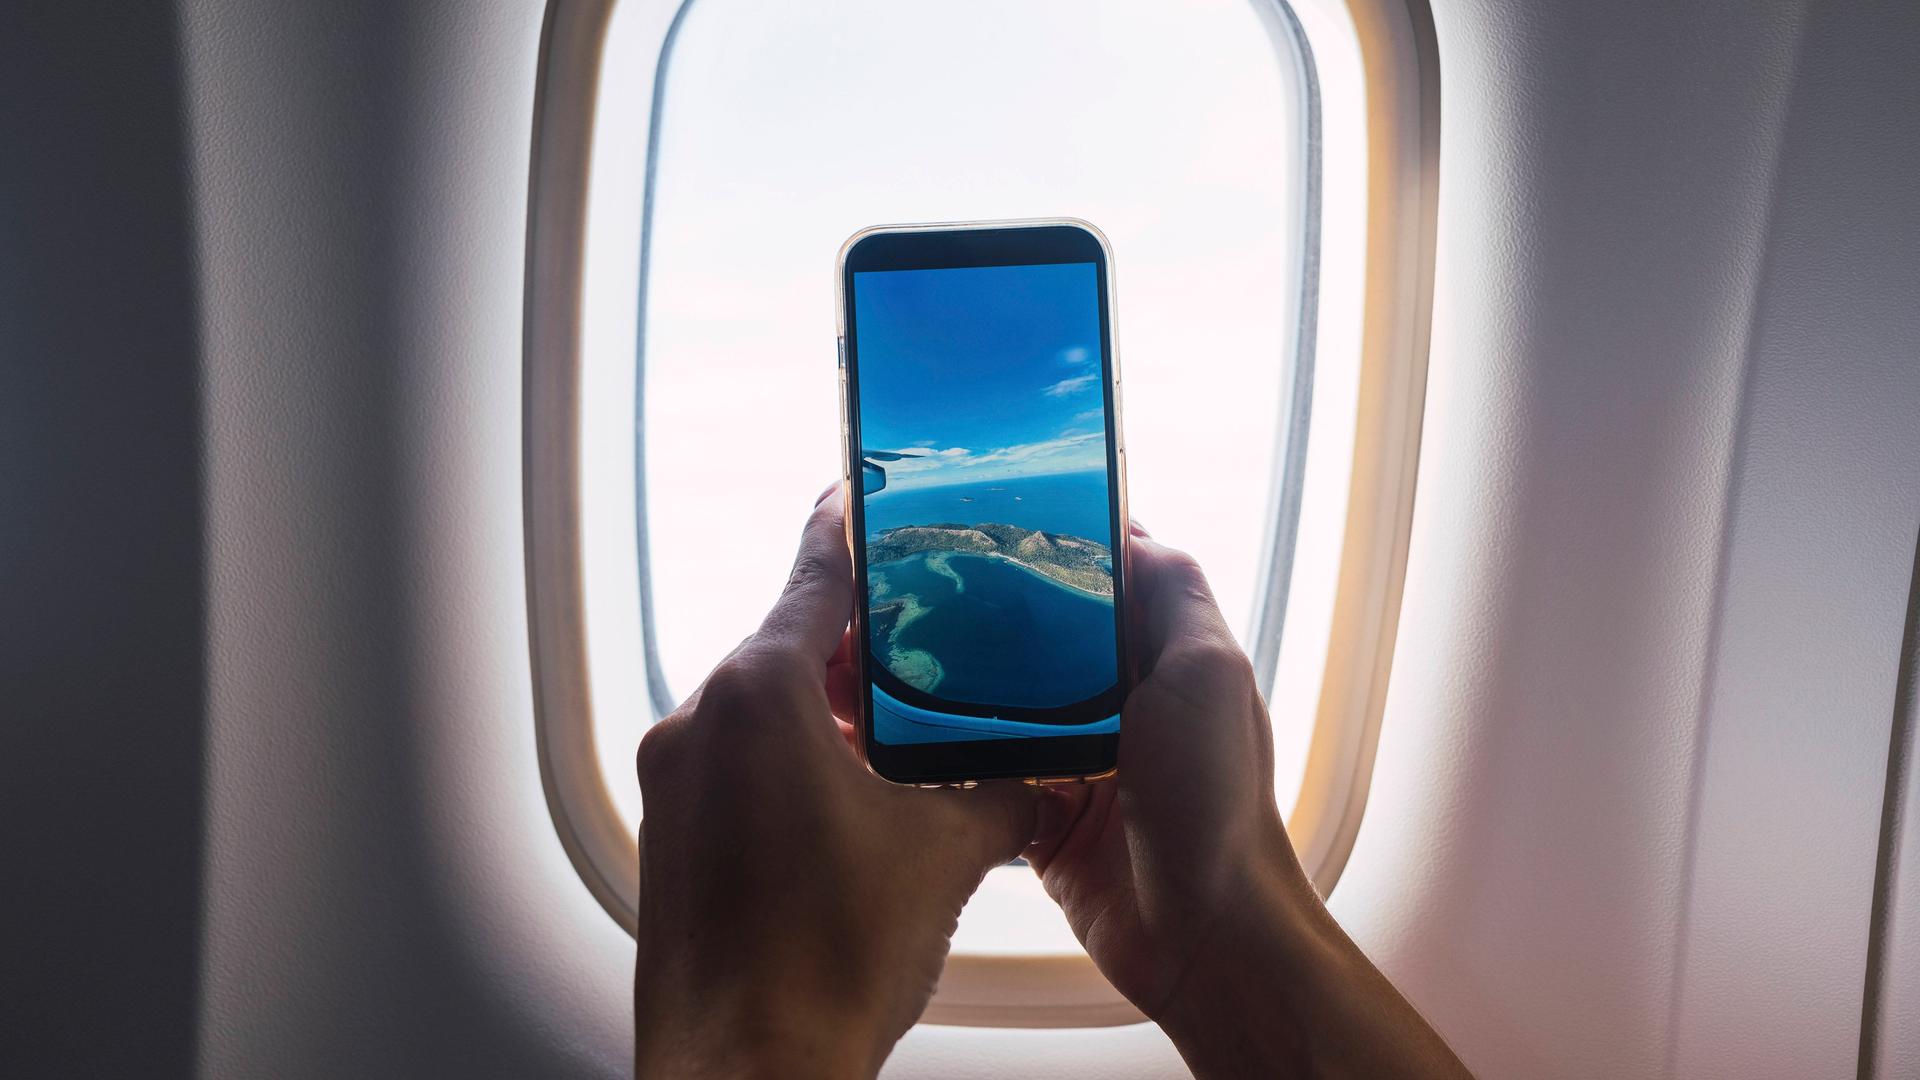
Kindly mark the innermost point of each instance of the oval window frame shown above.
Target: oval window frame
(1389, 62)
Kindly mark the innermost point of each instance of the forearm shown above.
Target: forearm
(1282, 991)
(704, 1015)
(747, 1045)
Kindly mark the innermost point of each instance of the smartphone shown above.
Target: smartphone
(986, 507)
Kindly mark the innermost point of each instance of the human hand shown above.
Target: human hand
(795, 909)
(1188, 835)
(1180, 880)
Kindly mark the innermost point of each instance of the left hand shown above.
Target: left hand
(795, 909)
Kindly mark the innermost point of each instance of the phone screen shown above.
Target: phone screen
(987, 527)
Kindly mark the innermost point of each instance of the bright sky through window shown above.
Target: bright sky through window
(1174, 127)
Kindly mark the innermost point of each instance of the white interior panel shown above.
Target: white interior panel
(384, 894)
(1625, 816)
(1626, 812)
(1791, 755)
(1895, 1014)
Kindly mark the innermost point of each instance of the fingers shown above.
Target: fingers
(1196, 719)
(843, 680)
(1175, 605)
(800, 661)
(843, 691)
(1001, 815)
(811, 615)
(1058, 810)
(844, 652)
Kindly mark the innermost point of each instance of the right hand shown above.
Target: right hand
(1189, 836)
(1179, 879)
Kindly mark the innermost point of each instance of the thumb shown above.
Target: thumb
(999, 818)
(1170, 596)
(1057, 812)
(811, 615)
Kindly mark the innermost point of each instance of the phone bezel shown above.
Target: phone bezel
(1052, 759)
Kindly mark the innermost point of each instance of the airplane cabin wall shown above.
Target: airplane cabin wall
(1893, 1002)
(101, 570)
(1626, 814)
(261, 352)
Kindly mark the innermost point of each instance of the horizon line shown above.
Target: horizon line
(896, 486)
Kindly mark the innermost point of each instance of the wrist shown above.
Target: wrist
(762, 1032)
(738, 1048)
(1284, 991)
(736, 1054)
(1243, 1002)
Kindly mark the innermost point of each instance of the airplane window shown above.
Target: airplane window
(1176, 128)
(736, 144)
(1173, 127)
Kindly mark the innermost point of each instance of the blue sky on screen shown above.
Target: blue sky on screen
(994, 371)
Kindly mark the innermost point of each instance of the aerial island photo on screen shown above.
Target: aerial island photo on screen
(989, 542)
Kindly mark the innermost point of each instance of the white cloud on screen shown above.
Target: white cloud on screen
(1067, 386)
(956, 464)
(1079, 354)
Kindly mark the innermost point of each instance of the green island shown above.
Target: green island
(1078, 563)
(1071, 564)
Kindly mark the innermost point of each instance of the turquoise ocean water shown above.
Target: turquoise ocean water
(1074, 504)
(1002, 634)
